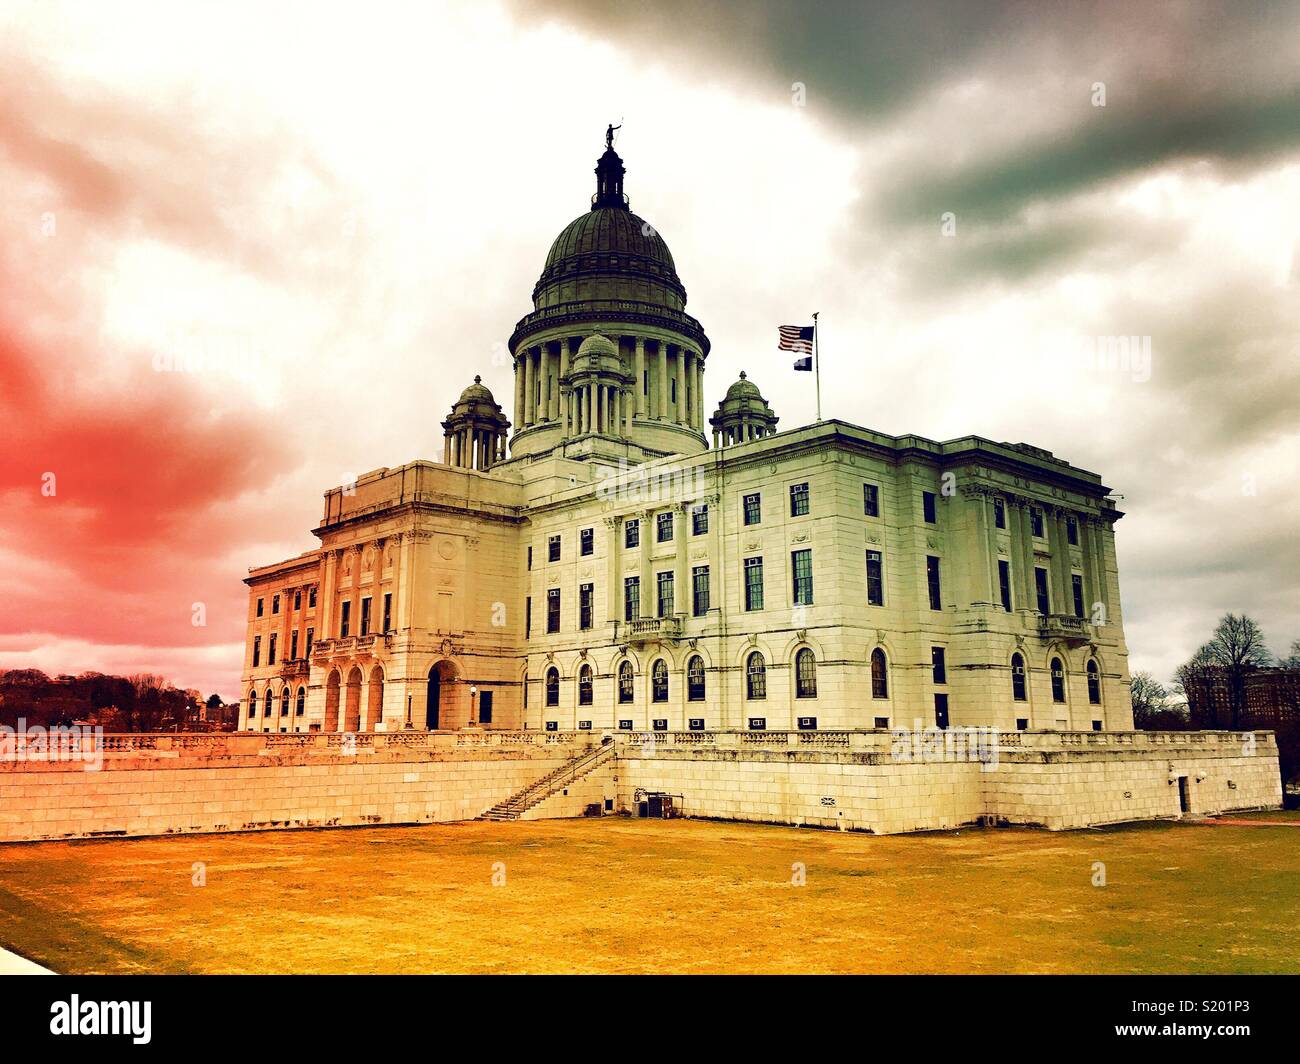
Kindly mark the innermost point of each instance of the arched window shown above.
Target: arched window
(302, 702)
(879, 674)
(695, 679)
(1018, 678)
(552, 686)
(805, 673)
(625, 689)
(659, 681)
(1058, 680)
(266, 702)
(584, 686)
(1094, 684)
(284, 701)
(755, 677)
(252, 707)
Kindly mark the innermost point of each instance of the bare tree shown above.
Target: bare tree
(1292, 660)
(1236, 647)
(1147, 693)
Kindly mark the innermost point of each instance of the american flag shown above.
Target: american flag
(798, 338)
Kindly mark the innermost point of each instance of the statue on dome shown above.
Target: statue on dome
(609, 136)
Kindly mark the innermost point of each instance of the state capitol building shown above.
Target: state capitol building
(628, 556)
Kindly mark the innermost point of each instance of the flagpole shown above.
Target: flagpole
(817, 369)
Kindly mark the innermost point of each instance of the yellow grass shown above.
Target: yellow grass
(620, 895)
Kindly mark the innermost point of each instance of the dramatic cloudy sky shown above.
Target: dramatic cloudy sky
(250, 250)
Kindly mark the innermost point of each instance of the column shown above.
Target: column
(325, 610)
(587, 422)
(1062, 595)
(683, 374)
(446, 448)
(699, 393)
(614, 572)
(681, 592)
(662, 405)
(519, 392)
(639, 367)
(526, 416)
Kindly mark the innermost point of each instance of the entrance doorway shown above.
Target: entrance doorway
(1184, 795)
(435, 700)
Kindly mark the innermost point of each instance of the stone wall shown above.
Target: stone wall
(866, 780)
(161, 785)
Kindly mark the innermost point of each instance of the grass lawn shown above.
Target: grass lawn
(619, 895)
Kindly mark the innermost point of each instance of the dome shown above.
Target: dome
(743, 415)
(744, 389)
(610, 244)
(476, 392)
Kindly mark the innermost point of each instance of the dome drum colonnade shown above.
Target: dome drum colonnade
(547, 388)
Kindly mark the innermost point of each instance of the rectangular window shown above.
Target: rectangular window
(365, 616)
(631, 598)
(753, 584)
(552, 610)
(941, 711)
(932, 581)
(530, 559)
(297, 600)
(553, 549)
(999, 514)
(664, 527)
(1004, 583)
(388, 612)
(801, 568)
(485, 707)
(528, 617)
(673, 389)
(665, 585)
(1076, 585)
(1040, 589)
(311, 638)
(700, 590)
(799, 499)
(927, 507)
(270, 650)
(645, 382)
(311, 598)
(632, 534)
(587, 541)
(700, 521)
(1072, 531)
(257, 651)
(345, 618)
(586, 593)
(293, 645)
(938, 666)
(753, 509)
(875, 578)
(1036, 522)
(259, 607)
(871, 500)
(275, 604)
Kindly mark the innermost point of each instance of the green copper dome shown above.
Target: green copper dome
(604, 247)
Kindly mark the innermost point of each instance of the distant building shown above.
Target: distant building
(1271, 696)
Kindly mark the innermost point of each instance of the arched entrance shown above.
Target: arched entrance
(375, 699)
(352, 712)
(441, 677)
(332, 701)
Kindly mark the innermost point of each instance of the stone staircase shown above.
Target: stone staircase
(539, 790)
